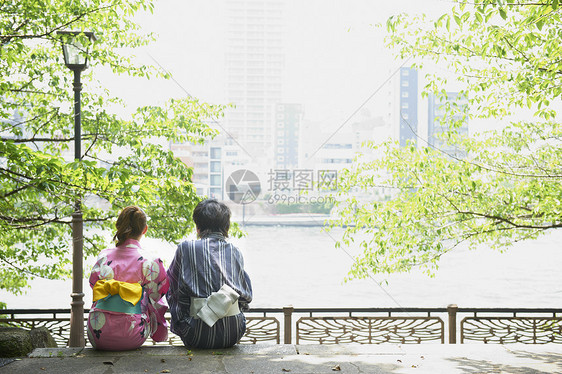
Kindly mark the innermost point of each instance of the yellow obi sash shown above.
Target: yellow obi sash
(118, 296)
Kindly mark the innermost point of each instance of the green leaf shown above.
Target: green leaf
(503, 14)
(457, 19)
(539, 24)
(478, 17)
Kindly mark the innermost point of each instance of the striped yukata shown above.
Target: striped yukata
(199, 268)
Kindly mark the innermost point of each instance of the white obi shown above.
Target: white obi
(220, 304)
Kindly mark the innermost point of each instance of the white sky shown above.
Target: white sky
(334, 56)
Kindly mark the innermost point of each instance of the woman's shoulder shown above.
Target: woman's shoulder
(105, 253)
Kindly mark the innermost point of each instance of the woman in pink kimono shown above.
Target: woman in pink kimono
(127, 290)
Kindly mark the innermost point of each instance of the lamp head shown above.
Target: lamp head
(75, 46)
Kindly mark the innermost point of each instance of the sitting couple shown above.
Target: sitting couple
(206, 286)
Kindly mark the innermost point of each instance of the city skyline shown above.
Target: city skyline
(335, 56)
(258, 56)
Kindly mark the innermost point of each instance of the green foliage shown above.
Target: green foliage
(507, 55)
(122, 163)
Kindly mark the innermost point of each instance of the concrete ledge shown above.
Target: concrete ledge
(55, 352)
(238, 350)
(301, 359)
(350, 349)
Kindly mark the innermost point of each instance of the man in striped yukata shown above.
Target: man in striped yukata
(209, 288)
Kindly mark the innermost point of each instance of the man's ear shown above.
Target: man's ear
(145, 230)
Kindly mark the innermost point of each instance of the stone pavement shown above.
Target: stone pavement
(299, 359)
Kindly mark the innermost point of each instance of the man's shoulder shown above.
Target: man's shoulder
(188, 243)
(195, 243)
(200, 243)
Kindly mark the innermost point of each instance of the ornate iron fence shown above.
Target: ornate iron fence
(370, 330)
(529, 326)
(355, 325)
(369, 325)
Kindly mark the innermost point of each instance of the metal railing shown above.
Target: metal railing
(355, 325)
(364, 325)
(511, 325)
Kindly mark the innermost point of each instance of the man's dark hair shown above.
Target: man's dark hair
(211, 216)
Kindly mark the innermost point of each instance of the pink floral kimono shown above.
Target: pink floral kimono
(127, 306)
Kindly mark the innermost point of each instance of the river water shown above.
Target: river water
(300, 266)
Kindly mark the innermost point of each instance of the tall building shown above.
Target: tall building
(287, 126)
(206, 160)
(437, 108)
(402, 113)
(408, 106)
(255, 63)
(216, 178)
(195, 156)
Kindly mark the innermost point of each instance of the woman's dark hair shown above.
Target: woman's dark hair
(130, 224)
(211, 216)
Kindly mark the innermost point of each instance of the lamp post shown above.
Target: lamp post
(75, 53)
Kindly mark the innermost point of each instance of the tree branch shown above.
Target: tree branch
(22, 270)
(499, 219)
(33, 119)
(18, 223)
(6, 38)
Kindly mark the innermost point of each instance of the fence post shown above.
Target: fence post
(288, 312)
(452, 311)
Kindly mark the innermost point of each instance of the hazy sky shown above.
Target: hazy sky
(334, 54)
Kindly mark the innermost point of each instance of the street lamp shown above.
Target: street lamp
(75, 50)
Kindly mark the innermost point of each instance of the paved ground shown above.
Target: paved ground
(267, 359)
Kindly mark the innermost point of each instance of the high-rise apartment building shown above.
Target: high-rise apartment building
(206, 160)
(255, 63)
(195, 156)
(402, 114)
(288, 119)
(408, 111)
